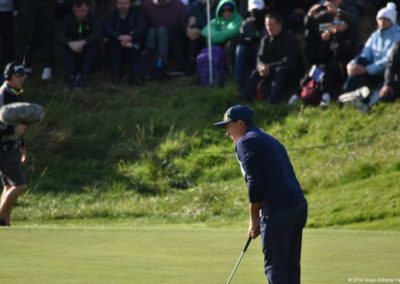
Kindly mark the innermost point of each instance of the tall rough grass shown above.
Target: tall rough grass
(119, 152)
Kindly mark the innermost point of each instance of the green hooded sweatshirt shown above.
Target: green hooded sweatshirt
(223, 30)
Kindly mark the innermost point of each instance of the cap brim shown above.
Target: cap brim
(221, 124)
(20, 71)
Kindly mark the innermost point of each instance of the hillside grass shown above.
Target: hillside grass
(151, 153)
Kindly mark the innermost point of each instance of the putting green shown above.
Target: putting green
(168, 255)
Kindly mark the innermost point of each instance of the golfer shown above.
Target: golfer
(12, 152)
(278, 209)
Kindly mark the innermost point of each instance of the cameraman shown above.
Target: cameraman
(12, 153)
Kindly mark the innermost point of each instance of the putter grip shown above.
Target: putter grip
(247, 244)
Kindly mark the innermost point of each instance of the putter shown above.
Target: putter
(238, 262)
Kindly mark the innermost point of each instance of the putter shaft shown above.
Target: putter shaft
(238, 262)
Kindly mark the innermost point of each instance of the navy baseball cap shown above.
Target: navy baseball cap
(234, 113)
(13, 68)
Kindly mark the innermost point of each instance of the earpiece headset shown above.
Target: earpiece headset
(10, 70)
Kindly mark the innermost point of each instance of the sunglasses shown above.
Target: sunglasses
(227, 9)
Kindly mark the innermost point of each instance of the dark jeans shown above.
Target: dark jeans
(281, 238)
(80, 62)
(7, 38)
(162, 40)
(195, 46)
(245, 62)
(354, 82)
(230, 53)
(273, 84)
(119, 53)
(36, 19)
(335, 74)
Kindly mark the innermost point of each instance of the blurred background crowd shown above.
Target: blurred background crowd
(317, 50)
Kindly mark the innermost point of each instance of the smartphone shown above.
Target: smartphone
(338, 22)
(324, 27)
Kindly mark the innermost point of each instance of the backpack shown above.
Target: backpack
(311, 92)
(217, 64)
(311, 86)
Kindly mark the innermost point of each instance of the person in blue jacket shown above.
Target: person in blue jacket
(277, 209)
(374, 56)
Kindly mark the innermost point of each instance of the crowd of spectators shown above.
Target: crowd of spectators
(269, 45)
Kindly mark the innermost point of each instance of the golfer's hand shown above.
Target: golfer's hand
(254, 232)
(254, 229)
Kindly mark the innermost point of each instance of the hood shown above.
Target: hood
(220, 4)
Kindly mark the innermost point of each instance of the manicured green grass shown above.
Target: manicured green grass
(183, 254)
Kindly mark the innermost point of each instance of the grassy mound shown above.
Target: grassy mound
(119, 152)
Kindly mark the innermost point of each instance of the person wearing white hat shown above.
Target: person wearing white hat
(373, 58)
(255, 4)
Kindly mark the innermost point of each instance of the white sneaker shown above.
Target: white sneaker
(47, 73)
(362, 93)
(325, 100)
(293, 99)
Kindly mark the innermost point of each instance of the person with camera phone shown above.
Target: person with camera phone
(332, 31)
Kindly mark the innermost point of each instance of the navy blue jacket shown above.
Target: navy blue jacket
(268, 172)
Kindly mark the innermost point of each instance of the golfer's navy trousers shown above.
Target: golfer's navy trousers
(281, 234)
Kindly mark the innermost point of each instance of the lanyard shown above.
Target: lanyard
(80, 28)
